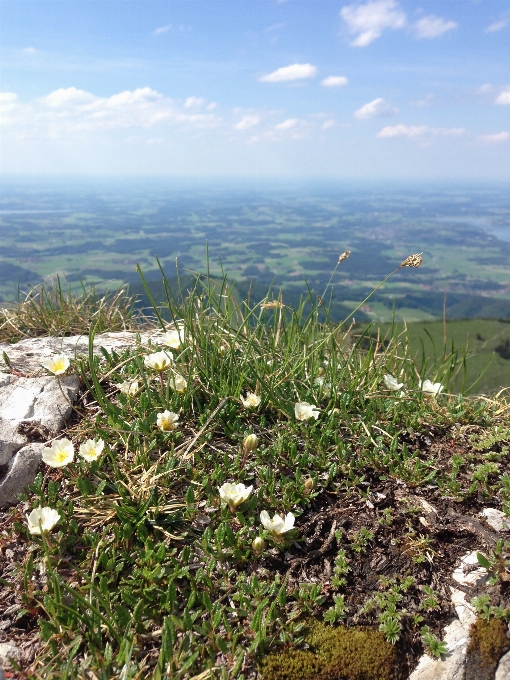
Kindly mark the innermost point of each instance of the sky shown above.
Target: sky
(377, 89)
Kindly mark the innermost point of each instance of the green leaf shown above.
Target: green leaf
(483, 561)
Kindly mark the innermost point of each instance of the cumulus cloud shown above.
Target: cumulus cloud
(497, 26)
(367, 22)
(414, 131)
(335, 81)
(247, 122)
(292, 72)
(432, 26)
(496, 138)
(503, 98)
(74, 110)
(376, 109)
(162, 29)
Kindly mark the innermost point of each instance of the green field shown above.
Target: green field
(484, 342)
(290, 239)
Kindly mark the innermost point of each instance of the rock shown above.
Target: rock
(497, 519)
(466, 613)
(28, 402)
(35, 405)
(8, 649)
(21, 472)
(469, 572)
(451, 667)
(26, 356)
(456, 634)
(503, 669)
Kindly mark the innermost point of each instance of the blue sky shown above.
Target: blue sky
(378, 89)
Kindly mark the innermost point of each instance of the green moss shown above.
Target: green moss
(488, 640)
(347, 653)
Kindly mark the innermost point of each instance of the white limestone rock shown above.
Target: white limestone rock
(497, 519)
(470, 572)
(21, 472)
(451, 667)
(9, 650)
(503, 669)
(42, 403)
(26, 356)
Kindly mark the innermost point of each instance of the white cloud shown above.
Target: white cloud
(292, 72)
(497, 26)
(194, 102)
(247, 122)
(496, 138)
(29, 50)
(335, 81)
(486, 88)
(287, 124)
(162, 29)
(503, 98)
(432, 26)
(367, 22)
(8, 97)
(328, 124)
(70, 110)
(414, 131)
(375, 109)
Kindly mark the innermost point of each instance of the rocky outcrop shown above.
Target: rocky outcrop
(35, 406)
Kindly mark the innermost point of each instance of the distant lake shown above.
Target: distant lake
(503, 233)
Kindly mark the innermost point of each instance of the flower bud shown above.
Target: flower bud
(258, 545)
(309, 484)
(251, 442)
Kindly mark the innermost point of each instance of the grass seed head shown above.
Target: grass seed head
(413, 260)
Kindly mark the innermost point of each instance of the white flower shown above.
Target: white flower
(252, 400)
(323, 385)
(234, 494)
(159, 361)
(178, 383)
(277, 525)
(42, 519)
(59, 454)
(91, 450)
(57, 364)
(167, 421)
(130, 387)
(304, 410)
(391, 383)
(174, 338)
(430, 389)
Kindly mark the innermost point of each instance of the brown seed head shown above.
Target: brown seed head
(413, 260)
(274, 304)
(344, 256)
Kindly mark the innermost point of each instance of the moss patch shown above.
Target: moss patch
(347, 653)
(488, 642)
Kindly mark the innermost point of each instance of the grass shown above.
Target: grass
(55, 309)
(482, 341)
(147, 574)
